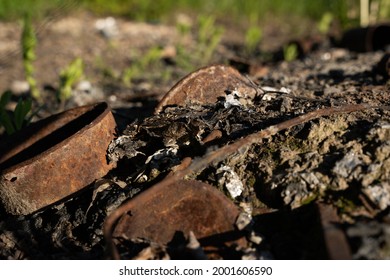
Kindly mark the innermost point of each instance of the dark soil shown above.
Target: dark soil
(318, 190)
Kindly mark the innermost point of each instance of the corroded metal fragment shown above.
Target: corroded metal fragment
(54, 158)
(157, 214)
(205, 86)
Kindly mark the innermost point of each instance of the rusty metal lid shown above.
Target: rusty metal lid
(158, 213)
(205, 85)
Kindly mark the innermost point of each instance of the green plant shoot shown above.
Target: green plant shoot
(68, 77)
(290, 52)
(208, 37)
(149, 59)
(252, 38)
(29, 42)
(19, 118)
(325, 23)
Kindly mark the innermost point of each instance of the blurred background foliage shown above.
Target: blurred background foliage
(210, 20)
(348, 12)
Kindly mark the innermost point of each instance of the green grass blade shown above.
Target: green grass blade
(22, 109)
(6, 122)
(5, 98)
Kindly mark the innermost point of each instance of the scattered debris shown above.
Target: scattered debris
(294, 164)
(379, 195)
(243, 221)
(347, 165)
(230, 180)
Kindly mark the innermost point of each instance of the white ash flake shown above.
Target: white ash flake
(159, 154)
(267, 97)
(243, 220)
(113, 154)
(285, 90)
(295, 193)
(379, 195)
(250, 254)
(302, 188)
(269, 92)
(253, 254)
(232, 99)
(230, 179)
(268, 89)
(194, 249)
(381, 130)
(120, 140)
(347, 164)
(255, 238)
(246, 207)
(271, 89)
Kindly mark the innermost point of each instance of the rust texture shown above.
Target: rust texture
(205, 86)
(66, 153)
(183, 206)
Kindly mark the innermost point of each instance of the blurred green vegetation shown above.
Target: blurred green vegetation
(17, 9)
(347, 11)
(234, 9)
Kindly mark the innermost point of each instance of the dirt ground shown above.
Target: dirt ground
(319, 189)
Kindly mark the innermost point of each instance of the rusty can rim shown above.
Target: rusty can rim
(8, 161)
(65, 154)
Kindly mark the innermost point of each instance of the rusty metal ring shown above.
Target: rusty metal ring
(55, 157)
